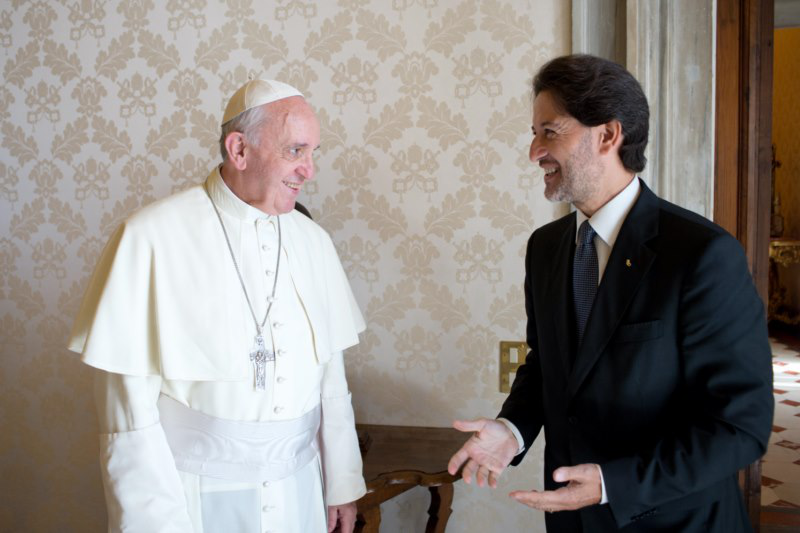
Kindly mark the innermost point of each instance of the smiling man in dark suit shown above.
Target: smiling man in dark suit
(649, 365)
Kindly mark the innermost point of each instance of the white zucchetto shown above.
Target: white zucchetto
(255, 93)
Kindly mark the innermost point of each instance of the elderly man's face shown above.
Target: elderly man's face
(285, 157)
(565, 150)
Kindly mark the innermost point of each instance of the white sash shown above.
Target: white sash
(238, 450)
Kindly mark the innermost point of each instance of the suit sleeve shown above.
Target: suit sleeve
(142, 487)
(523, 407)
(727, 385)
(341, 458)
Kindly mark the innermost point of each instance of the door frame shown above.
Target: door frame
(743, 152)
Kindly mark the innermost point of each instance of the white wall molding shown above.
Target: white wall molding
(670, 46)
(671, 51)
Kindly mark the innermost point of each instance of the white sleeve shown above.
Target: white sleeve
(603, 493)
(341, 458)
(142, 488)
(517, 434)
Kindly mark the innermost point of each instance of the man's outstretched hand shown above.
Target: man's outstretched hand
(583, 488)
(487, 452)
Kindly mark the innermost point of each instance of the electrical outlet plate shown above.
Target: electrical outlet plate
(512, 355)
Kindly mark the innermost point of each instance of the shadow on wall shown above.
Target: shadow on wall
(64, 440)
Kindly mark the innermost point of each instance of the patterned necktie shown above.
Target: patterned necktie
(584, 276)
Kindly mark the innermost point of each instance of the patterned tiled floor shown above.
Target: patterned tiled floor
(780, 469)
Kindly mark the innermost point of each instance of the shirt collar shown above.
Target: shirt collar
(607, 221)
(228, 202)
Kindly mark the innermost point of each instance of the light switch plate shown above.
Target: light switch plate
(512, 355)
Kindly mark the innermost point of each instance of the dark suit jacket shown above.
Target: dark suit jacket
(671, 389)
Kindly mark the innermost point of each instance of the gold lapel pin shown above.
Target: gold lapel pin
(628, 263)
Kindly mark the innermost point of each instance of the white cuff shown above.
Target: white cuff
(142, 487)
(604, 496)
(341, 458)
(517, 434)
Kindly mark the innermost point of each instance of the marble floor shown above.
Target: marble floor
(780, 469)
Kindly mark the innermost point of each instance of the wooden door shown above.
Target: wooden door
(742, 153)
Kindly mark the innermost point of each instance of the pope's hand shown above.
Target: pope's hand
(487, 452)
(342, 518)
(584, 487)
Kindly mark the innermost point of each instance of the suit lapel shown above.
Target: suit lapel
(629, 261)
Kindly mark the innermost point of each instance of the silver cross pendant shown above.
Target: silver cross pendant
(259, 357)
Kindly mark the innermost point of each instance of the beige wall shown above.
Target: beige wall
(423, 183)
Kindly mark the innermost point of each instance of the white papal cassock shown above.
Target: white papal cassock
(165, 316)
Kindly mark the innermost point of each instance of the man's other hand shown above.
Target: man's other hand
(343, 515)
(487, 452)
(583, 488)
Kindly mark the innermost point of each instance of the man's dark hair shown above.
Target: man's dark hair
(595, 91)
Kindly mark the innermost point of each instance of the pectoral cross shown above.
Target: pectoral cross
(259, 357)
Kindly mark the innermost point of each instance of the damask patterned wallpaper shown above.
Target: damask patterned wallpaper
(423, 182)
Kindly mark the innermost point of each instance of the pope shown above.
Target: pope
(216, 319)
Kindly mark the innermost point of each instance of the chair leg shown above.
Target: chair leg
(368, 520)
(439, 510)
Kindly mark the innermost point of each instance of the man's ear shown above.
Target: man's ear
(610, 137)
(236, 145)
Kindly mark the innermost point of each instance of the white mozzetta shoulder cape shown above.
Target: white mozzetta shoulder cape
(165, 299)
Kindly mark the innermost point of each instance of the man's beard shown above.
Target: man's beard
(580, 175)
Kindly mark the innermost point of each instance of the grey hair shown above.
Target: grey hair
(247, 123)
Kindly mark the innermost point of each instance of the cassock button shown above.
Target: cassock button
(281, 353)
(265, 248)
(276, 325)
(268, 272)
(265, 484)
(277, 409)
(281, 379)
(573, 420)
